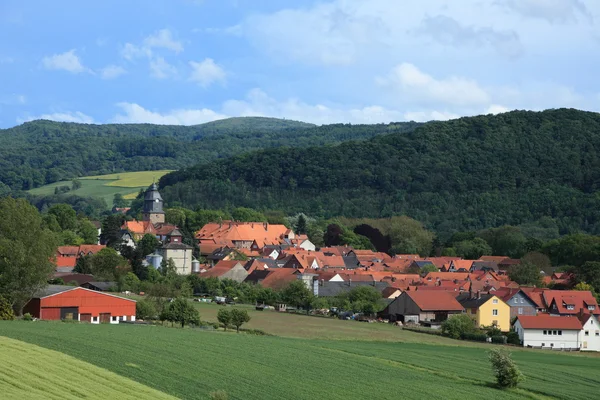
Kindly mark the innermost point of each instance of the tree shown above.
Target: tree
(408, 236)
(301, 225)
(111, 231)
(427, 268)
(107, 264)
(238, 318)
(26, 252)
(332, 235)
(457, 325)
(472, 249)
(6, 310)
(540, 260)
(525, 274)
(75, 184)
(148, 244)
(65, 216)
(363, 299)
(224, 317)
(129, 282)
(297, 294)
(145, 310)
(574, 249)
(243, 214)
(183, 312)
(588, 272)
(119, 201)
(87, 231)
(168, 267)
(506, 371)
(505, 241)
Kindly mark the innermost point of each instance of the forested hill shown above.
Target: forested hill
(41, 152)
(468, 173)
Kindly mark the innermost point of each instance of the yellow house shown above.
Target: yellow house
(486, 309)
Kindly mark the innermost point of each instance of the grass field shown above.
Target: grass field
(190, 364)
(106, 186)
(32, 372)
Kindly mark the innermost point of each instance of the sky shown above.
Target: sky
(186, 62)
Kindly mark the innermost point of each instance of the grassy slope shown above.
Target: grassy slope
(31, 372)
(189, 364)
(106, 186)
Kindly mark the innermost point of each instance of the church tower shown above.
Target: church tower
(153, 206)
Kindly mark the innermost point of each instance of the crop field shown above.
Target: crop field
(106, 186)
(32, 372)
(189, 363)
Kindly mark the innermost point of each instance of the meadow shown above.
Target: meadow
(106, 186)
(190, 363)
(54, 375)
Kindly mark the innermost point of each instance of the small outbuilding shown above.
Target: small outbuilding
(57, 302)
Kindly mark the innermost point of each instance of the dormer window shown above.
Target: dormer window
(591, 308)
(570, 306)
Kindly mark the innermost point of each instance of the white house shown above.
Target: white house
(548, 331)
(590, 333)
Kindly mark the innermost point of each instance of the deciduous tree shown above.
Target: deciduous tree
(238, 318)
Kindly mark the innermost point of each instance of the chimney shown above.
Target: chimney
(349, 281)
(266, 225)
(478, 294)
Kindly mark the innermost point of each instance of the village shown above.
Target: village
(416, 291)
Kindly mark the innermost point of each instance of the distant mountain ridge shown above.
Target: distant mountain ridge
(467, 173)
(40, 152)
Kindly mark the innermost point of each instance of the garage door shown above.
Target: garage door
(85, 318)
(105, 318)
(71, 313)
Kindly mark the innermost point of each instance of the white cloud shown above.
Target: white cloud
(417, 87)
(207, 72)
(131, 51)
(163, 39)
(134, 113)
(67, 61)
(448, 31)
(553, 11)
(425, 116)
(161, 69)
(496, 109)
(112, 71)
(76, 116)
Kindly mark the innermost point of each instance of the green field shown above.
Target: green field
(189, 363)
(106, 186)
(54, 375)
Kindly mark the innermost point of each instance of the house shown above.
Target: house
(418, 265)
(302, 261)
(100, 286)
(179, 252)
(248, 235)
(458, 266)
(590, 332)
(570, 302)
(67, 256)
(332, 289)
(486, 309)
(422, 306)
(537, 296)
(233, 270)
(547, 331)
(57, 302)
(518, 301)
(70, 278)
(391, 292)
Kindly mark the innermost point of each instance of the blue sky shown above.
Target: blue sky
(189, 62)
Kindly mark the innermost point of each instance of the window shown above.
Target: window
(543, 344)
(95, 319)
(114, 319)
(495, 301)
(591, 307)
(559, 333)
(570, 307)
(554, 332)
(597, 333)
(551, 344)
(587, 333)
(545, 332)
(520, 310)
(494, 312)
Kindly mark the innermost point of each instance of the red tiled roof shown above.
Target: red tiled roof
(493, 258)
(435, 300)
(279, 278)
(228, 231)
(68, 250)
(62, 262)
(544, 321)
(91, 248)
(578, 299)
(535, 295)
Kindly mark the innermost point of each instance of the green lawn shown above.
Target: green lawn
(190, 364)
(106, 186)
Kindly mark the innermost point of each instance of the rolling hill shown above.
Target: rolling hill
(463, 174)
(41, 152)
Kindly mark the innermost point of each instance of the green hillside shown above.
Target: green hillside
(41, 152)
(464, 174)
(190, 364)
(31, 372)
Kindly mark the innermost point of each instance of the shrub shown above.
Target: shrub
(6, 310)
(27, 317)
(218, 395)
(476, 337)
(144, 310)
(457, 325)
(513, 338)
(499, 339)
(506, 371)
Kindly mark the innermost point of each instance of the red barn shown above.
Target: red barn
(67, 302)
